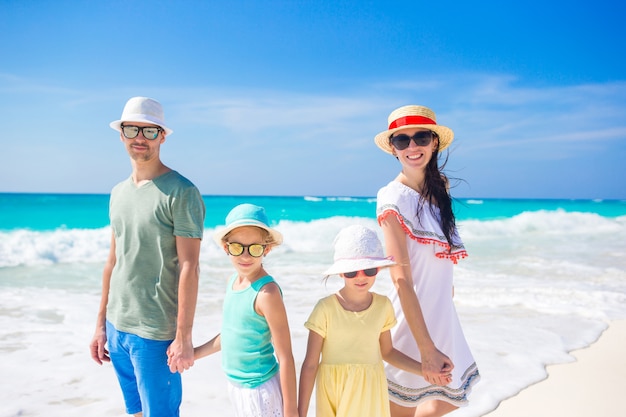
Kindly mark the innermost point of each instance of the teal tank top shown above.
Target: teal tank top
(247, 351)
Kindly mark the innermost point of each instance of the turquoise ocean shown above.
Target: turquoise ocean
(543, 278)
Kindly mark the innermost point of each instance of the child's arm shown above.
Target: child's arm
(309, 371)
(401, 361)
(269, 303)
(210, 347)
(396, 358)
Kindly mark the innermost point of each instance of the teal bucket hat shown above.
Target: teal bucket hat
(247, 215)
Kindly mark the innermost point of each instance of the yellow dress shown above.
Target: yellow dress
(351, 378)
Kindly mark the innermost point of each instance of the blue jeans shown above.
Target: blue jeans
(141, 366)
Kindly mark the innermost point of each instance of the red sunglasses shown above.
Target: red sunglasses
(370, 272)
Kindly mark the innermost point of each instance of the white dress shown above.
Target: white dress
(432, 269)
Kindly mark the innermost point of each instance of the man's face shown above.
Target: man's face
(141, 148)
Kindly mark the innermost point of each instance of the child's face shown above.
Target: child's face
(362, 281)
(246, 264)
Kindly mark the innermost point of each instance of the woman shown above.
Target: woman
(415, 213)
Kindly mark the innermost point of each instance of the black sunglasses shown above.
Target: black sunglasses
(370, 272)
(421, 138)
(149, 132)
(255, 250)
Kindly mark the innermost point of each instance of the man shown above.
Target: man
(150, 279)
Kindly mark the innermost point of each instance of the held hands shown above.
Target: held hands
(180, 356)
(437, 368)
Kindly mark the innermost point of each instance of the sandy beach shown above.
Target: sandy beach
(591, 386)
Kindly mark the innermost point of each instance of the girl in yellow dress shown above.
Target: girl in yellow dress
(350, 329)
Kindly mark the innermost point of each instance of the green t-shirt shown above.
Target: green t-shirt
(143, 297)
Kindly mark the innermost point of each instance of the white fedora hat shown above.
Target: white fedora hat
(142, 110)
(357, 248)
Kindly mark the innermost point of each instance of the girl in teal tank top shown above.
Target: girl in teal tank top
(255, 340)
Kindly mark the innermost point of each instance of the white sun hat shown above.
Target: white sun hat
(357, 248)
(142, 110)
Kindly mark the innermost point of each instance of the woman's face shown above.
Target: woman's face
(415, 156)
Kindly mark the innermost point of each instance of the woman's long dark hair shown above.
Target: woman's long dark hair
(436, 191)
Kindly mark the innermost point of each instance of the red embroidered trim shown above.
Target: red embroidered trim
(454, 256)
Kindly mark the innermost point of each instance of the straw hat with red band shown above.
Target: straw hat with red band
(412, 116)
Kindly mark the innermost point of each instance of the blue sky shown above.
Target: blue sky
(285, 97)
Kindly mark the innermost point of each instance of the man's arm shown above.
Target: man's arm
(98, 352)
(180, 352)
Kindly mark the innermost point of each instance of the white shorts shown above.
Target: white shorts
(266, 400)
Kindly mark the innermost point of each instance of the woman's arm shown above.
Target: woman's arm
(269, 303)
(434, 362)
(309, 371)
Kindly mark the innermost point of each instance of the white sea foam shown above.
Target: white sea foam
(534, 287)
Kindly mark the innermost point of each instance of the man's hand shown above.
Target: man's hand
(180, 356)
(97, 349)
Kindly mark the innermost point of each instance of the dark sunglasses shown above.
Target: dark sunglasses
(421, 138)
(255, 250)
(149, 132)
(370, 272)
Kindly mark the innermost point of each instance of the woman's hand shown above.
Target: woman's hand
(436, 367)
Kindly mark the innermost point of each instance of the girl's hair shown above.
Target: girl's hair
(265, 235)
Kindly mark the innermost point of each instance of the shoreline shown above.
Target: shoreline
(592, 385)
